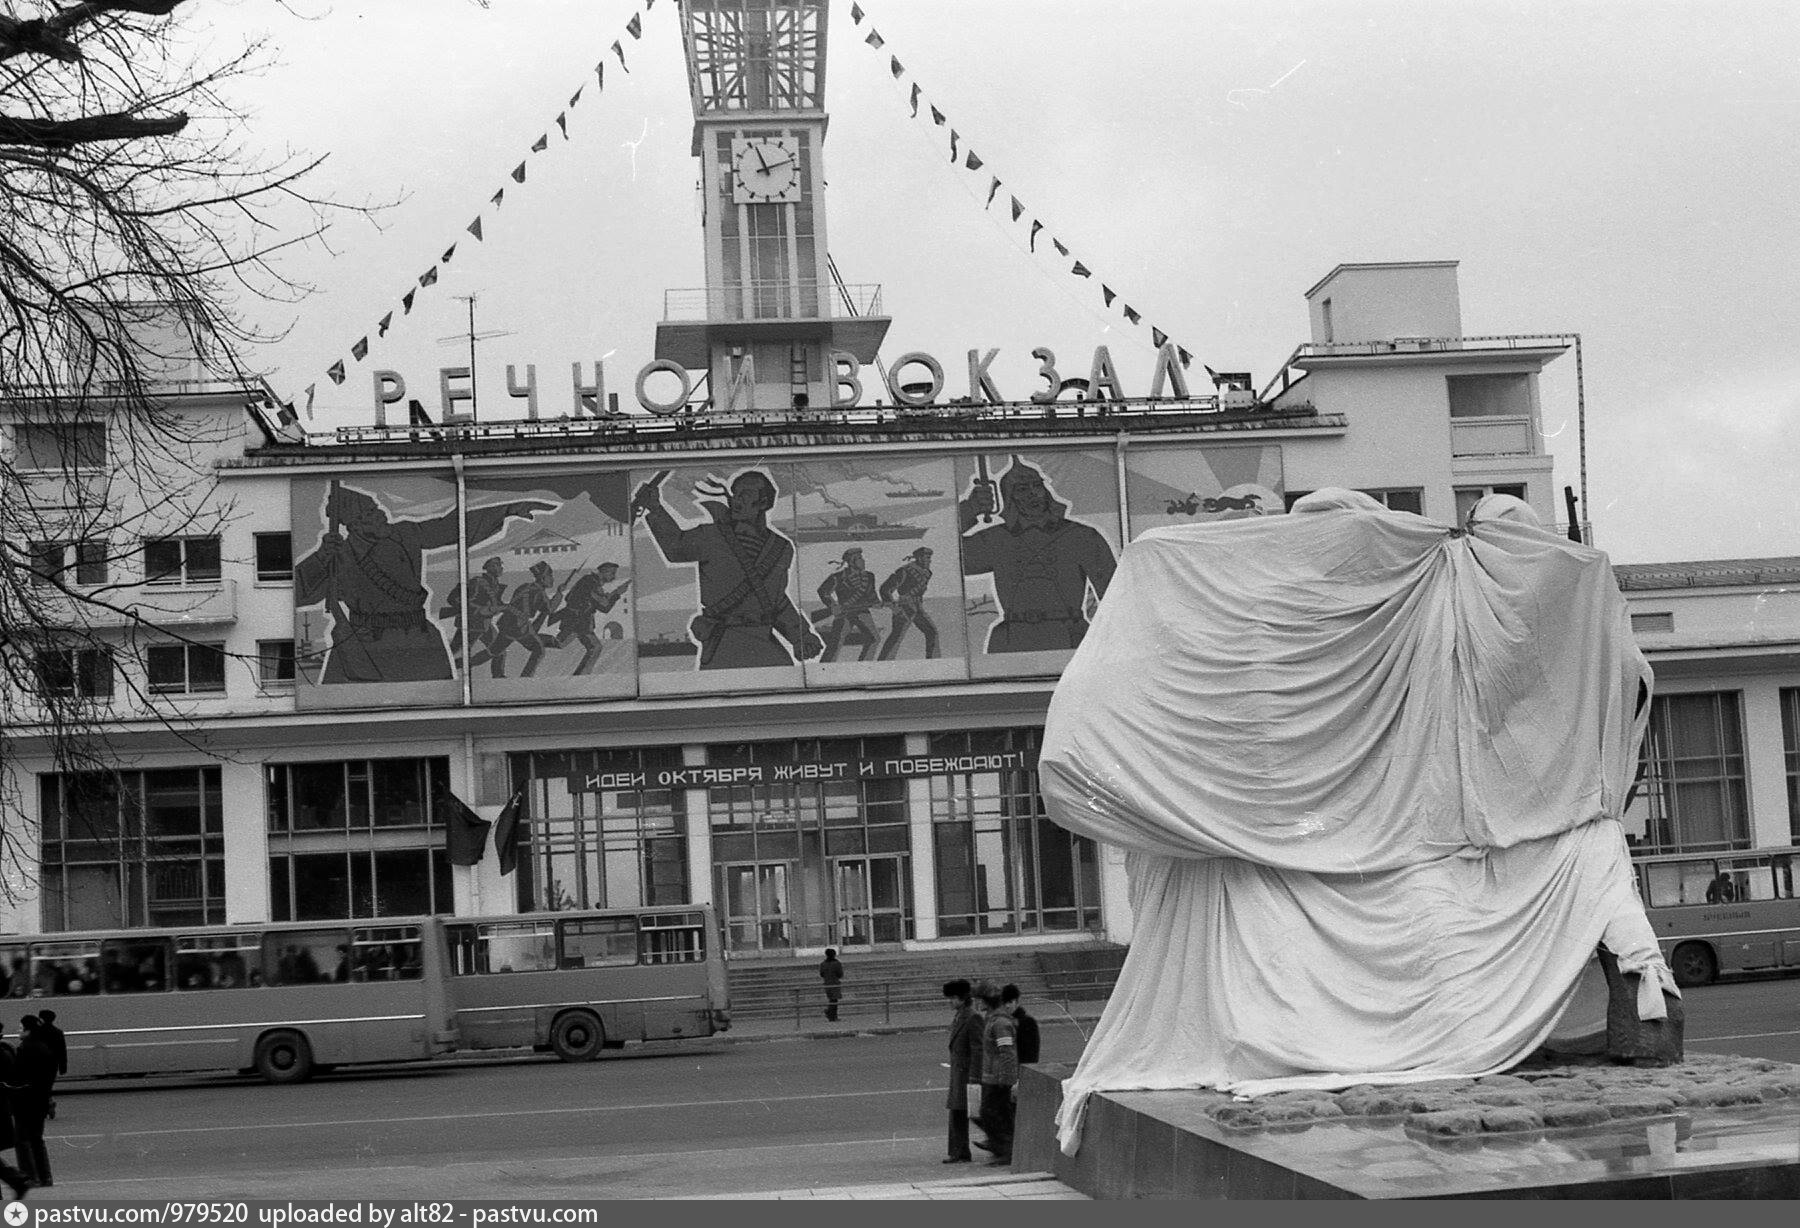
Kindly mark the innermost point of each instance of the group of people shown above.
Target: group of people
(27, 1078)
(991, 1035)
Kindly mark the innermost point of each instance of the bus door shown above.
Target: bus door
(871, 900)
(758, 905)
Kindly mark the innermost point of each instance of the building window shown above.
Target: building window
(274, 556)
(132, 849)
(1655, 623)
(621, 843)
(75, 673)
(59, 447)
(275, 664)
(1002, 866)
(1468, 496)
(1489, 396)
(181, 560)
(1325, 319)
(186, 669)
(1691, 794)
(1790, 743)
(811, 863)
(50, 562)
(357, 838)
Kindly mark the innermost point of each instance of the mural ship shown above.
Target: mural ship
(858, 527)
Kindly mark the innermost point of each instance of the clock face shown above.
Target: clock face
(765, 169)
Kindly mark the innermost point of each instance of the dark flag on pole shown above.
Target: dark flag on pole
(506, 831)
(465, 832)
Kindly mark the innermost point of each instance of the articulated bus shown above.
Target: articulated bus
(284, 1000)
(1722, 912)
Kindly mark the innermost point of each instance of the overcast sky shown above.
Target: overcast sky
(1625, 171)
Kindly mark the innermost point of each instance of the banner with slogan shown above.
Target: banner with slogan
(1040, 541)
(607, 778)
(1185, 484)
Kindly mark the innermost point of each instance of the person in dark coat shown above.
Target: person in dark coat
(965, 1067)
(34, 1073)
(1027, 1025)
(17, 1180)
(59, 1046)
(832, 973)
(999, 1073)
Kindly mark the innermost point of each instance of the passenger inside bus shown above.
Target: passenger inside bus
(1721, 891)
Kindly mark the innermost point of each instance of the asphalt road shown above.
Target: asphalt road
(708, 1118)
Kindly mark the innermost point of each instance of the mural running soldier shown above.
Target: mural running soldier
(586, 600)
(519, 620)
(743, 566)
(904, 591)
(849, 594)
(486, 595)
(369, 572)
(1043, 563)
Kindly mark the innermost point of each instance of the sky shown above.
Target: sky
(1625, 172)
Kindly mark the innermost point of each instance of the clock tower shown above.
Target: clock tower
(773, 312)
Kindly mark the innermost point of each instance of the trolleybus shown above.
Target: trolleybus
(1722, 912)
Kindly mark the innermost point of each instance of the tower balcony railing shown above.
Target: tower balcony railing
(772, 300)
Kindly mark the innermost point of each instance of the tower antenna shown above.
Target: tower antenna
(472, 337)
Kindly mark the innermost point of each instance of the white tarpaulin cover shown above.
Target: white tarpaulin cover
(1368, 771)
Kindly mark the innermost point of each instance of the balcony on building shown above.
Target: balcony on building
(175, 607)
(698, 321)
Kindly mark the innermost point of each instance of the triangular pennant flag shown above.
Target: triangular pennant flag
(576, 96)
(992, 188)
(506, 832)
(1157, 336)
(448, 252)
(953, 154)
(915, 99)
(1080, 270)
(429, 276)
(649, 4)
(894, 66)
(856, 14)
(1035, 227)
(635, 27)
(381, 326)
(542, 143)
(286, 415)
(519, 173)
(310, 389)
(562, 122)
(620, 51)
(600, 74)
(1062, 249)
(972, 162)
(1017, 208)
(1187, 359)
(497, 197)
(1107, 291)
(1131, 314)
(474, 228)
(336, 371)
(937, 117)
(407, 302)
(360, 350)
(875, 40)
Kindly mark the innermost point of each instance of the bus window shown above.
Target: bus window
(134, 965)
(674, 938)
(15, 966)
(218, 961)
(385, 953)
(1783, 870)
(600, 942)
(1749, 882)
(65, 968)
(305, 957)
(515, 946)
(1664, 883)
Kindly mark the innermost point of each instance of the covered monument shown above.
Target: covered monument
(1368, 770)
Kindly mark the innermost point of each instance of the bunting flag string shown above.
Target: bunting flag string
(359, 350)
(973, 162)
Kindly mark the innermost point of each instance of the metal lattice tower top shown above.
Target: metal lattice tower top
(747, 56)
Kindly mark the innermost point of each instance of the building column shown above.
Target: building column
(1765, 764)
(484, 778)
(1117, 920)
(699, 833)
(924, 850)
(246, 842)
(20, 911)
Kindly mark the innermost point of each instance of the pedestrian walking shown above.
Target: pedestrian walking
(965, 1067)
(832, 973)
(15, 1179)
(1027, 1024)
(999, 1074)
(59, 1049)
(34, 1073)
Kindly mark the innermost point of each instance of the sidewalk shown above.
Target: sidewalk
(1032, 1187)
(1081, 1015)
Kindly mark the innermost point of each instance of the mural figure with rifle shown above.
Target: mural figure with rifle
(1044, 564)
(743, 567)
(520, 620)
(368, 571)
(588, 599)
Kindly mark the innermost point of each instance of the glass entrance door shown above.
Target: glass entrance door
(757, 906)
(873, 898)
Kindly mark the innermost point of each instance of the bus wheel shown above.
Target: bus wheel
(577, 1037)
(284, 1057)
(1693, 964)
